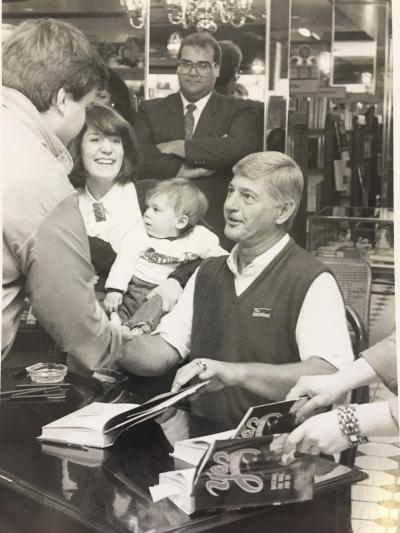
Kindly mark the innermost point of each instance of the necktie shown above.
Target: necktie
(99, 212)
(189, 121)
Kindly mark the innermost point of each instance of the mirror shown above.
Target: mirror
(354, 48)
(277, 76)
(165, 39)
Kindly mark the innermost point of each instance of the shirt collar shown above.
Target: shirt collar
(109, 200)
(260, 262)
(200, 104)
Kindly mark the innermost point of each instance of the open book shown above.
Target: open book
(239, 473)
(99, 424)
(192, 450)
(85, 456)
(266, 419)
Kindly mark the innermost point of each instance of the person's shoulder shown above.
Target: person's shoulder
(124, 188)
(213, 264)
(125, 194)
(304, 257)
(201, 231)
(236, 103)
(156, 103)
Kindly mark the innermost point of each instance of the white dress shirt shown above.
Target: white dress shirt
(122, 212)
(200, 105)
(321, 328)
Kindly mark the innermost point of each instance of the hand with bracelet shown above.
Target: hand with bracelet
(347, 426)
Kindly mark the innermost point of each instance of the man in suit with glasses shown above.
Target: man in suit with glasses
(197, 133)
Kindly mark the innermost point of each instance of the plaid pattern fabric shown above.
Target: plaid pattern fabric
(189, 121)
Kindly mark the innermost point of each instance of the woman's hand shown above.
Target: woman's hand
(322, 391)
(169, 291)
(112, 301)
(318, 434)
(221, 374)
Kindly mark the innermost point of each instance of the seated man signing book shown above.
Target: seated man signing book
(258, 319)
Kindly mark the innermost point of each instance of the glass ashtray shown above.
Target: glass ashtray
(47, 373)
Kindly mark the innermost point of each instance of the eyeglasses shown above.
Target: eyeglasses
(201, 67)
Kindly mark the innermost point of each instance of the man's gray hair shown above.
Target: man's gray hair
(282, 176)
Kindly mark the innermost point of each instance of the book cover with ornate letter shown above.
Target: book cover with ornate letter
(245, 473)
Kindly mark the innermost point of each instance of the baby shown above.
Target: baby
(174, 207)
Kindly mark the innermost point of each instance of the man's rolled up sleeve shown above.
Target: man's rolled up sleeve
(321, 328)
(176, 327)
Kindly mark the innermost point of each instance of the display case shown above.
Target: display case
(359, 232)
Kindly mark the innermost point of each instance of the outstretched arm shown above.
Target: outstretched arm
(326, 390)
(148, 355)
(59, 283)
(322, 434)
(271, 381)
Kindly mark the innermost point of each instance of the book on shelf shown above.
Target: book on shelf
(99, 424)
(240, 473)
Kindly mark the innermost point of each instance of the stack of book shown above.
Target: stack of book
(245, 467)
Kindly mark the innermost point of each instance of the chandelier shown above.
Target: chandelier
(136, 12)
(205, 14)
(202, 14)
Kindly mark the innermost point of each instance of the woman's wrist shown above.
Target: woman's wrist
(376, 419)
(349, 424)
(355, 375)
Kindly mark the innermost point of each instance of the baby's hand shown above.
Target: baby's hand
(112, 301)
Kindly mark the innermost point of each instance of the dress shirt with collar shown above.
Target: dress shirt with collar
(123, 219)
(321, 328)
(200, 105)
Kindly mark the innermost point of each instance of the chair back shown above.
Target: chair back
(355, 280)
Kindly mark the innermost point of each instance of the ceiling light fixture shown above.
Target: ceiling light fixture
(257, 66)
(206, 14)
(304, 32)
(174, 43)
(135, 11)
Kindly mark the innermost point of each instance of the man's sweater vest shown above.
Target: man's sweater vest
(259, 326)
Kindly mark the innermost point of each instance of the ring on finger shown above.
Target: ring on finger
(202, 365)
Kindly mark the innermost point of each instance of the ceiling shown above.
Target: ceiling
(315, 14)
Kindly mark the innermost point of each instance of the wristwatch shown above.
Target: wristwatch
(349, 426)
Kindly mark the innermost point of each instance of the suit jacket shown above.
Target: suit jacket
(225, 133)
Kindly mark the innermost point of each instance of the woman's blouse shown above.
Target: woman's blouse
(116, 218)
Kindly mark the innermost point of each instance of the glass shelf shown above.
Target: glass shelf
(354, 232)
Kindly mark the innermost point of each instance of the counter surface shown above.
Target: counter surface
(107, 490)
